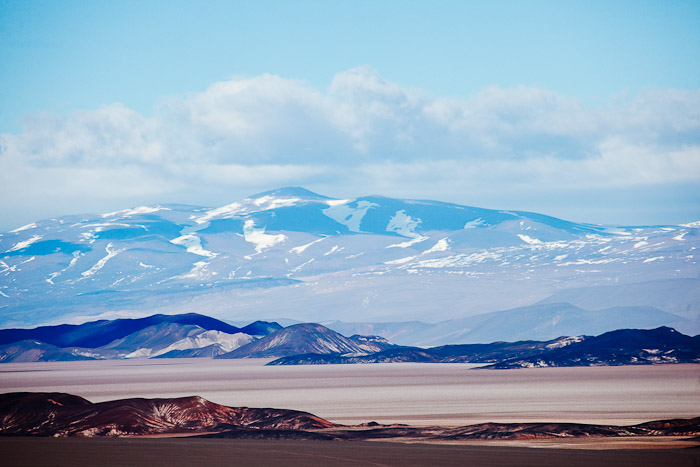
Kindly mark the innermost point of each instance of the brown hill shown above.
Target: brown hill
(58, 414)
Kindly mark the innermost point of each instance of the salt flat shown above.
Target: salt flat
(417, 394)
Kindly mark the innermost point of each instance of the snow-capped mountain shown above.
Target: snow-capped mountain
(291, 253)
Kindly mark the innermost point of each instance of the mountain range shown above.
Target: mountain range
(621, 347)
(191, 335)
(161, 336)
(416, 272)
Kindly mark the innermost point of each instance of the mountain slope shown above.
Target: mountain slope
(306, 338)
(166, 337)
(621, 347)
(37, 351)
(61, 415)
(169, 335)
(102, 332)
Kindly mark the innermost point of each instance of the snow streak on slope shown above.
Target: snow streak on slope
(300, 249)
(25, 243)
(24, 227)
(54, 275)
(100, 264)
(135, 211)
(408, 243)
(247, 206)
(198, 271)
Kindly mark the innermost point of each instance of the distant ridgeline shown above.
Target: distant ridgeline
(193, 335)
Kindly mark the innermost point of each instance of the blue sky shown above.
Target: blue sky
(582, 110)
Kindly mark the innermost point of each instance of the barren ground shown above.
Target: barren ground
(416, 394)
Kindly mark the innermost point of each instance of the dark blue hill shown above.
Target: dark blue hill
(99, 333)
(261, 328)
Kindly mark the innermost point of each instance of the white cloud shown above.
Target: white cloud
(363, 134)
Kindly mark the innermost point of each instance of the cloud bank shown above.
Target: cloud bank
(361, 135)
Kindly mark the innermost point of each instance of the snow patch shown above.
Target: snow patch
(140, 353)
(474, 224)
(225, 211)
(403, 224)
(680, 236)
(649, 260)
(530, 240)
(88, 237)
(199, 271)
(564, 341)
(336, 202)
(346, 215)
(441, 245)
(274, 202)
(85, 353)
(459, 260)
(193, 244)
(259, 238)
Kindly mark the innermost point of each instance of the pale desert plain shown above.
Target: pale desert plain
(409, 393)
(447, 394)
